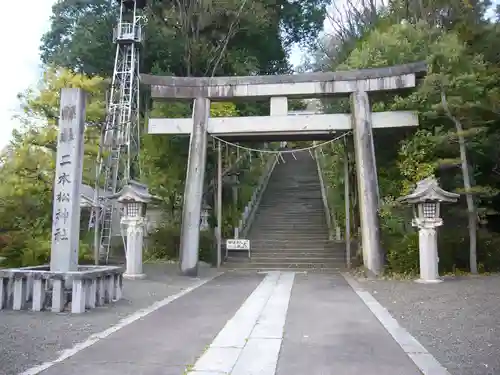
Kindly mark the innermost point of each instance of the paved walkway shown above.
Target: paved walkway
(248, 324)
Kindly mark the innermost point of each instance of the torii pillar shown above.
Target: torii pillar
(193, 191)
(368, 191)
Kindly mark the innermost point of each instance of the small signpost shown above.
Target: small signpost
(238, 245)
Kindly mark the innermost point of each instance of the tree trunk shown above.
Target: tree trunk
(471, 210)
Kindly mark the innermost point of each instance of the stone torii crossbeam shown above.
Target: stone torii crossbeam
(279, 125)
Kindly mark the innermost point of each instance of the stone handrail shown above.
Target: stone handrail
(331, 221)
(90, 286)
(248, 214)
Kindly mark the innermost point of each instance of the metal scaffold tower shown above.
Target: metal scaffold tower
(119, 147)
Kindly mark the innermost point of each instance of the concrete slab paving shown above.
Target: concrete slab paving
(330, 331)
(259, 357)
(168, 340)
(250, 342)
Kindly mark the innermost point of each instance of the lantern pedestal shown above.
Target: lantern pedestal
(133, 251)
(428, 252)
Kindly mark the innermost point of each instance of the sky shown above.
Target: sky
(26, 22)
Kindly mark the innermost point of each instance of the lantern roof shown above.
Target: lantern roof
(134, 191)
(428, 190)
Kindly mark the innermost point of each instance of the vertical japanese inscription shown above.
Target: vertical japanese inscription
(68, 178)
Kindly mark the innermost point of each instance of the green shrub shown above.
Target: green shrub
(164, 243)
(453, 250)
(20, 250)
(402, 253)
(488, 251)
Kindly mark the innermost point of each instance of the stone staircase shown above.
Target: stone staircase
(290, 231)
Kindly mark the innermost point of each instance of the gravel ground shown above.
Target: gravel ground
(458, 321)
(29, 338)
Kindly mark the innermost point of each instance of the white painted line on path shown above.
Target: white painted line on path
(260, 355)
(424, 360)
(68, 353)
(250, 342)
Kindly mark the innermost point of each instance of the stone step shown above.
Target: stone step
(292, 191)
(295, 201)
(292, 220)
(289, 234)
(276, 211)
(297, 217)
(320, 251)
(276, 225)
(292, 214)
(267, 252)
(305, 242)
(284, 182)
(291, 211)
(287, 260)
(303, 189)
(292, 207)
(282, 257)
(292, 243)
(276, 208)
(312, 249)
(304, 229)
(294, 251)
(289, 224)
(265, 230)
(298, 270)
(285, 266)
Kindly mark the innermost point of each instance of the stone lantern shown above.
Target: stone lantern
(133, 199)
(426, 200)
(205, 215)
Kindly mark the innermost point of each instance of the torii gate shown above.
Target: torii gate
(356, 84)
